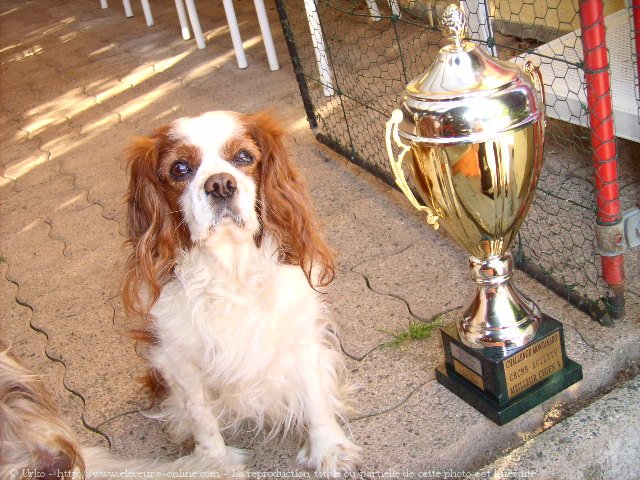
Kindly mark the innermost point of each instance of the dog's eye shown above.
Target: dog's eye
(179, 170)
(243, 158)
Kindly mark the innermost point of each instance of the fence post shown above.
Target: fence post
(605, 156)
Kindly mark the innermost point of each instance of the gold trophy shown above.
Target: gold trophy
(474, 128)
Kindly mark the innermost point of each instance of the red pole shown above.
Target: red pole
(605, 157)
(635, 8)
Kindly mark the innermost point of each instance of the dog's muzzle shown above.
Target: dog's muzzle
(221, 189)
(221, 186)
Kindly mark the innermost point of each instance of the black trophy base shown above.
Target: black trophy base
(502, 385)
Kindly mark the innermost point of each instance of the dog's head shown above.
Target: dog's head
(220, 171)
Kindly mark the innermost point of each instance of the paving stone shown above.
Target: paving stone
(90, 338)
(134, 435)
(434, 431)
(44, 252)
(37, 174)
(600, 442)
(364, 318)
(430, 275)
(23, 98)
(29, 346)
(21, 156)
(67, 79)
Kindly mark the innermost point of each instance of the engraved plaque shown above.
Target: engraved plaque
(533, 364)
(469, 374)
(467, 359)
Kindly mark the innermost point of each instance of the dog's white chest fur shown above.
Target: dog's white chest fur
(248, 326)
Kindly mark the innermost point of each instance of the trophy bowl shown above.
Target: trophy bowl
(472, 129)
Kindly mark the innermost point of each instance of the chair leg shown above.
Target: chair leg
(147, 12)
(182, 17)
(195, 24)
(318, 47)
(127, 8)
(235, 33)
(374, 11)
(478, 20)
(266, 35)
(395, 8)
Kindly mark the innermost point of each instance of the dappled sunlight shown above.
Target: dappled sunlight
(57, 112)
(76, 102)
(68, 37)
(29, 52)
(69, 121)
(111, 92)
(145, 72)
(55, 105)
(38, 125)
(301, 124)
(31, 226)
(102, 50)
(139, 75)
(9, 12)
(55, 28)
(19, 169)
(139, 103)
(78, 198)
(212, 65)
(222, 31)
(10, 47)
(168, 113)
(100, 124)
(169, 62)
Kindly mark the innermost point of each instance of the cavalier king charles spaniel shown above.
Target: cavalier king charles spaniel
(226, 258)
(224, 268)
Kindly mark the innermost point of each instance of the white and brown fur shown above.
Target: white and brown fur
(34, 440)
(226, 259)
(225, 265)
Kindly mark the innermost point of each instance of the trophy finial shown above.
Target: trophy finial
(454, 25)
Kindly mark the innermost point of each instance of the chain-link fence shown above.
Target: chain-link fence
(353, 58)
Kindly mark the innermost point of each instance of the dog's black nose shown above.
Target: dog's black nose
(220, 185)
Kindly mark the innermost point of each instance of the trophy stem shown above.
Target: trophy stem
(499, 315)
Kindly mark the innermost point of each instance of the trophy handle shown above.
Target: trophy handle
(536, 77)
(396, 166)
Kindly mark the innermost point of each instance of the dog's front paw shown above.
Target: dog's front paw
(331, 458)
(227, 457)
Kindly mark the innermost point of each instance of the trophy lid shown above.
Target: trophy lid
(466, 95)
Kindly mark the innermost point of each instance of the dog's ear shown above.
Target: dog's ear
(151, 226)
(285, 208)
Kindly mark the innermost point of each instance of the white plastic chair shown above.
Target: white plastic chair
(232, 21)
(479, 21)
(317, 38)
(182, 17)
(318, 47)
(374, 11)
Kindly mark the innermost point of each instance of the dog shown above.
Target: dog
(225, 265)
(36, 442)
